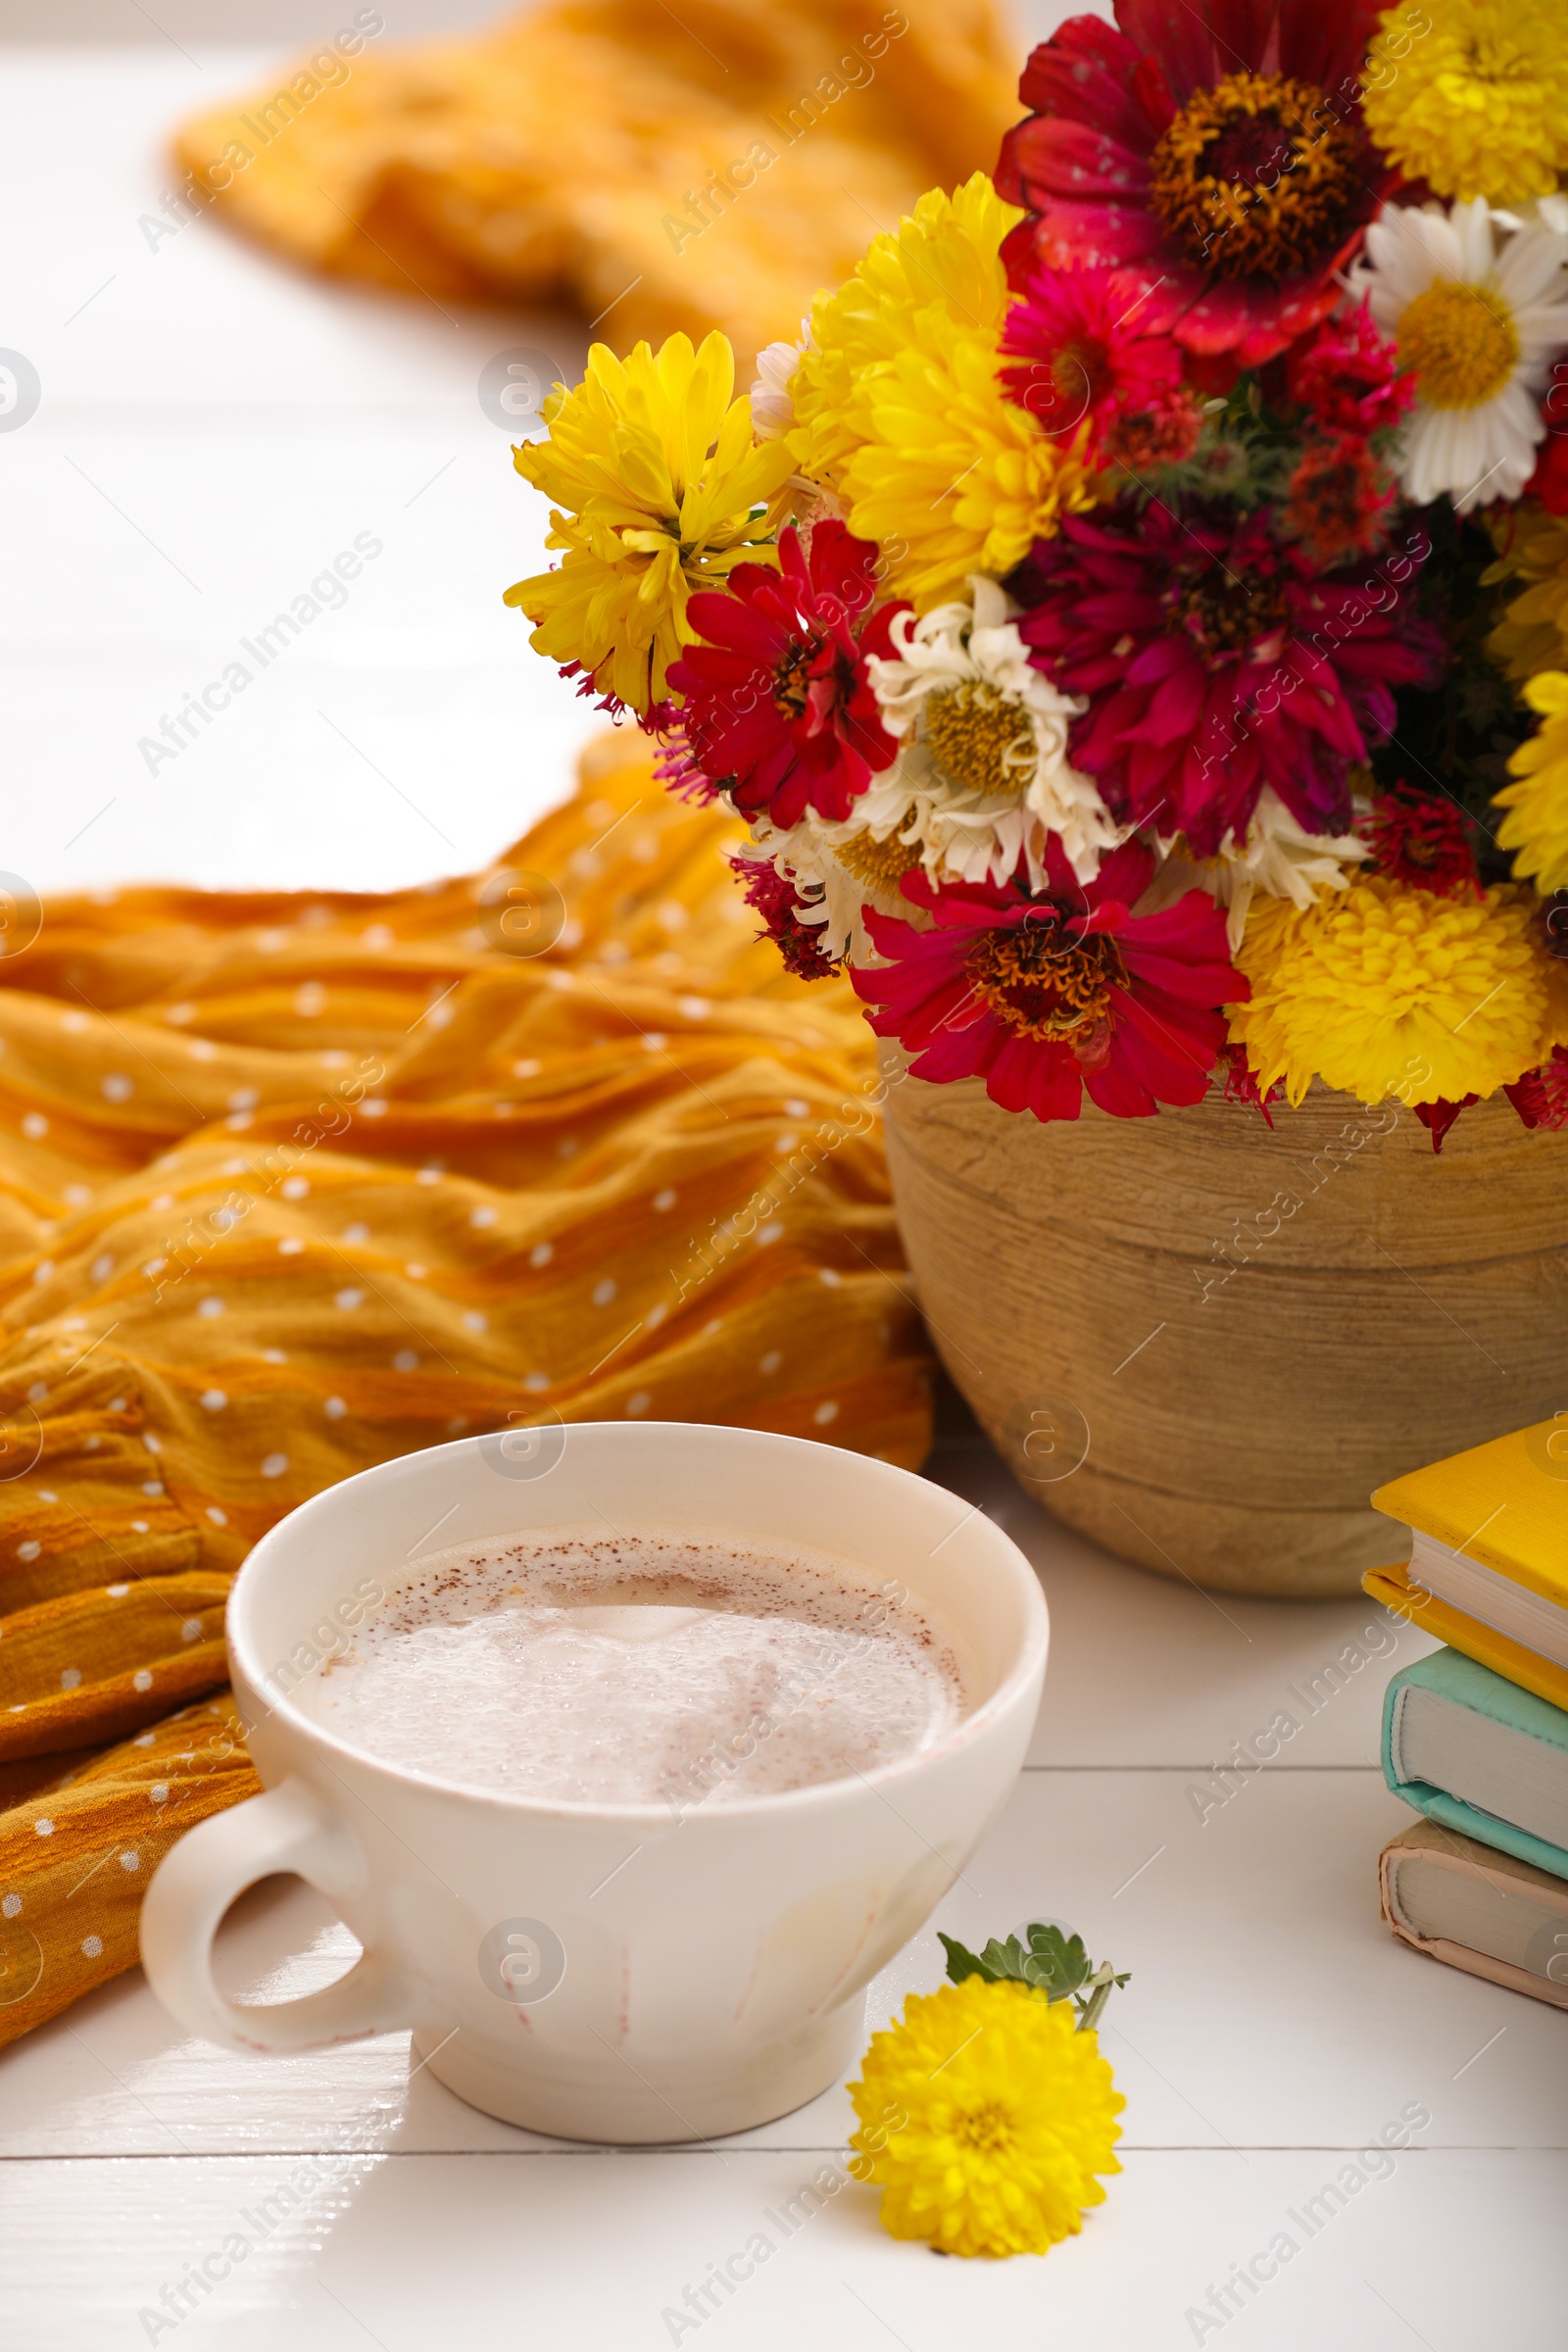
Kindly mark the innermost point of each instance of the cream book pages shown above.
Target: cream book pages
(1472, 1907)
(1488, 1764)
(1495, 1601)
(1452, 1906)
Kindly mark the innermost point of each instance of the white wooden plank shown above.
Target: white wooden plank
(597, 2253)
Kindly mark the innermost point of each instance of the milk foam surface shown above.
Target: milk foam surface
(653, 1667)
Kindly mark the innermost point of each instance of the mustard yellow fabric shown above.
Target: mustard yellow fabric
(293, 1184)
(703, 167)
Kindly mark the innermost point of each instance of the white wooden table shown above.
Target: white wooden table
(212, 431)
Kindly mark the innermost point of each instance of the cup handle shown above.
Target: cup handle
(285, 1828)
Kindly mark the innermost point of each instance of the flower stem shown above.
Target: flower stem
(1102, 1984)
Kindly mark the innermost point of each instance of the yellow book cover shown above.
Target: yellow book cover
(1504, 1503)
(1445, 1623)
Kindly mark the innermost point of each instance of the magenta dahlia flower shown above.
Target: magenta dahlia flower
(1081, 350)
(778, 709)
(1217, 661)
(1211, 149)
(1047, 996)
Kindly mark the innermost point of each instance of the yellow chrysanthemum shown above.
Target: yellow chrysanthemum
(1533, 633)
(1468, 95)
(1379, 990)
(945, 255)
(985, 2116)
(660, 478)
(1537, 822)
(953, 477)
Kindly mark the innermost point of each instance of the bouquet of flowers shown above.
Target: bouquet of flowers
(1133, 617)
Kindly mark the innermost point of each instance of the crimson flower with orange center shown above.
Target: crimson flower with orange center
(1051, 997)
(1212, 151)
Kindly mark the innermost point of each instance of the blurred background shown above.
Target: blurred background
(192, 432)
(267, 23)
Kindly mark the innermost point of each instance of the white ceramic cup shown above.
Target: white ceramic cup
(623, 1972)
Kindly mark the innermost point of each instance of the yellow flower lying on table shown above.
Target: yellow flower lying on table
(987, 2111)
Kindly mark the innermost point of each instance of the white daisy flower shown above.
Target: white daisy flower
(984, 757)
(1478, 323)
(772, 410)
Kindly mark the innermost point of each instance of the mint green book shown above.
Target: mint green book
(1479, 1755)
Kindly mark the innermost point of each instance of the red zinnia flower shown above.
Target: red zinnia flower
(1046, 996)
(1213, 151)
(1549, 481)
(1439, 1117)
(1088, 352)
(1423, 842)
(799, 944)
(777, 707)
(1215, 661)
(1338, 497)
(1347, 377)
(1241, 1083)
(1541, 1095)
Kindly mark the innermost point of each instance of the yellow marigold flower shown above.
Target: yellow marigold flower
(1537, 822)
(1468, 95)
(953, 477)
(985, 2116)
(655, 467)
(947, 255)
(1379, 990)
(1533, 633)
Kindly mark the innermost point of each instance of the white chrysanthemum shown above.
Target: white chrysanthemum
(983, 737)
(1276, 861)
(837, 869)
(772, 408)
(1281, 860)
(1478, 313)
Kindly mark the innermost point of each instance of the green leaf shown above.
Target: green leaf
(1056, 1962)
(1051, 1963)
(961, 1962)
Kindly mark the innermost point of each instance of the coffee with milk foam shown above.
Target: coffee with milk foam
(653, 1667)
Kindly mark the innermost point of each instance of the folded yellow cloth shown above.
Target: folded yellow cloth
(293, 1184)
(704, 167)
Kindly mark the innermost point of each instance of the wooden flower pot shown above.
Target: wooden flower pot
(1204, 1343)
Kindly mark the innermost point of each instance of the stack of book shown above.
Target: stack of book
(1476, 1737)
